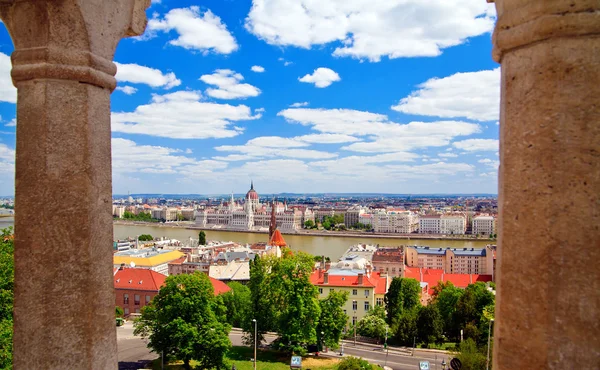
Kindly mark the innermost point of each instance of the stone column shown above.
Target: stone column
(62, 67)
(548, 302)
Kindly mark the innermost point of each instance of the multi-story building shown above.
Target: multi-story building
(118, 211)
(389, 261)
(452, 260)
(149, 258)
(352, 216)
(135, 288)
(430, 224)
(365, 219)
(453, 223)
(484, 225)
(399, 222)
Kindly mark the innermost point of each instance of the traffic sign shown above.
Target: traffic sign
(424, 365)
(296, 362)
(455, 364)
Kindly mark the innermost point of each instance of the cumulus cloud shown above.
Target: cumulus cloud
(298, 105)
(473, 95)
(129, 90)
(383, 135)
(371, 29)
(447, 155)
(321, 77)
(137, 74)
(197, 30)
(257, 69)
(326, 138)
(228, 85)
(477, 145)
(181, 115)
(12, 123)
(272, 146)
(7, 169)
(8, 93)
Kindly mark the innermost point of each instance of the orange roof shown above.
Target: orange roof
(178, 261)
(219, 286)
(374, 281)
(138, 279)
(277, 239)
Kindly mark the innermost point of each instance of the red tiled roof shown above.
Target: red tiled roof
(277, 239)
(433, 276)
(139, 279)
(219, 286)
(381, 285)
(178, 261)
(412, 272)
(317, 278)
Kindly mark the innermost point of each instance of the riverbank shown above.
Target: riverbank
(302, 232)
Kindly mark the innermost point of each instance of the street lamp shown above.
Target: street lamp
(487, 361)
(443, 364)
(322, 342)
(255, 339)
(386, 346)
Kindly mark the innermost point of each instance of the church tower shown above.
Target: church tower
(273, 224)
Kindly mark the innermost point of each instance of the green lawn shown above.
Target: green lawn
(446, 346)
(267, 360)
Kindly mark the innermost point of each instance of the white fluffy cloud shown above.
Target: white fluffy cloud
(8, 93)
(257, 69)
(448, 155)
(477, 145)
(299, 104)
(12, 123)
(473, 95)
(129, 90)
(326, 138)
(384, 135)
(197, 30)
(181, 115)
(137, 74)
(272, 146)
(371, 29)
(321, 77)
(228, 85)
(7, 169)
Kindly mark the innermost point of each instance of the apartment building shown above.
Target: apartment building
(389, 261)
(452, 260)
(484, 225)
(449, 223)
(352, 216)
(430, 224)
(148, 258)
(399, 222)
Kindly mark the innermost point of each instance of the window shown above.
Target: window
(320, 290)
(393, 269)
(137, 310)
(354, 305)
(148, 299)
(366, 306)
(125, 298)
(126, 310)
(353, 320)
(354, 291)
(379, 301)
(330, 290)
(136, 299)
(366, 292)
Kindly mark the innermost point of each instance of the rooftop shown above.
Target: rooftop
(145, 257)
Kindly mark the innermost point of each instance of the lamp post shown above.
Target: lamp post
(387, 350)
(322, 342)
(487, 361)
(355, 322)
(255, 339)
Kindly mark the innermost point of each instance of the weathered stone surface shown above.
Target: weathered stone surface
(548, 303)
(63, 70)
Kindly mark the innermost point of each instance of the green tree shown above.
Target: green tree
(183, 322)
(404, 327)
(429, 324)
(471, 304)
(238, 302)
(326, 225)
(403, 294)
(119, 311)
(446, 297)
(372, 326)
(309, 224)
(262, 308)
(354, 363)
(297, 308)
(7, 281)
(202, 238)
(332, 319)
(145, 238)
(471, 357)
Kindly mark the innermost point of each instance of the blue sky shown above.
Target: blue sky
(394, 96)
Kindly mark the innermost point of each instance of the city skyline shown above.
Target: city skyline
(217, 94)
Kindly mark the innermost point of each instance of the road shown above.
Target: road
(133, 353)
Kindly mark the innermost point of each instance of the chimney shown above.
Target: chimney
(323, 261)
(326, 278)
(360, 279)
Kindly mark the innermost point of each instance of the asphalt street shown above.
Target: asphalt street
(133, 353)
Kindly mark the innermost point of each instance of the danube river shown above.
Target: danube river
(330, 246)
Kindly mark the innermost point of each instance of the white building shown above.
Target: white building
(403, 222)
(484, 225)
(430, 224)
(453, 223)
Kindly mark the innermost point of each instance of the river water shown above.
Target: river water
(330, 246)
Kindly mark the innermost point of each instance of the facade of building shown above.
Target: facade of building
(452, 260)
(484, 225)
(430, 224)
(352, 216)
(448, 223)
(398, 222)
(389, 261)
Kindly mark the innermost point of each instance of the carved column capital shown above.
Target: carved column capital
(71, 39)
(523, 22)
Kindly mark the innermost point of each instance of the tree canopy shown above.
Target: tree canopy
(333, 319)
(145, 238)
(403, 295)
(184, 321)
(238, 302)
(202, 238)
(7, 282)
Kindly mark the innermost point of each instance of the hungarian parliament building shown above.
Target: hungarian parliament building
(253, 215)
